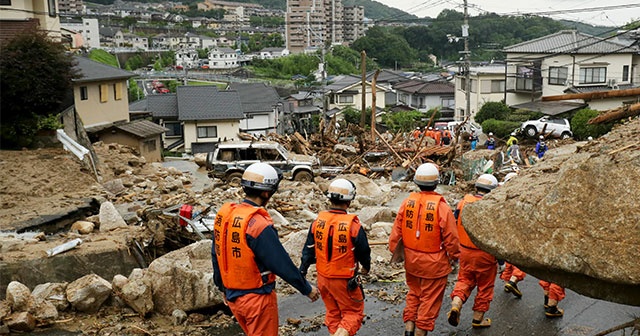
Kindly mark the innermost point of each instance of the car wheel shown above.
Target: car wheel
(565, 135)
(303, 176)
(530, 131)
(234, 179)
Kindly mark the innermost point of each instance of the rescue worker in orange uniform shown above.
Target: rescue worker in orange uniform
(553, 293)
(426, 228)
(477, 268)
(416, 134)
(247, 255)
(430, 133)
(437, 135)
(336, 243)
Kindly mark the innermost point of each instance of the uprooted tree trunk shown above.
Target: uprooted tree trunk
(617, 114)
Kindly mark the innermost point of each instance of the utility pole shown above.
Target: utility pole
(467, 61)
(363, 66)
(373, 105)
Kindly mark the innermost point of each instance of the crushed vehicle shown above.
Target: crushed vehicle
(229, 160)
(558, 127)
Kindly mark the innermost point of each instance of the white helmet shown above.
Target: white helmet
(510, 176)
(430, 128)
(490, 133)
(417, 128)
(341, 190)
(513, 133)
(427, 175)
(541, 137)
(487, 181)
(261, 176)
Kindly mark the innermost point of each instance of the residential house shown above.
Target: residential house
(424, 96)
(572, 62)
(126, 40)
(487, 85)
(298, 111)
(167, 41)
(143, 135)
(386, 79)
(273, 52)
(197, 117)
(260, 105)
(207, 42)
(18, 16)
(223, 58)
(346, 91)
(88, 28)
(107, 35)
(187, 58)
(100, 94)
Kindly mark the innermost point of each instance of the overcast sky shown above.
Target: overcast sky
(604, 17)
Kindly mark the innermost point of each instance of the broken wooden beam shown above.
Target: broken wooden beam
(616, 114)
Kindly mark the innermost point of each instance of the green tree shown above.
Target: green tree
(135, 92)
(404, 121)
(387, 48)
(492, 110)
(582, 130)
(500, 128)
(35, 79)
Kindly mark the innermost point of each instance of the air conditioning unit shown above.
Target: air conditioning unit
(612, 83)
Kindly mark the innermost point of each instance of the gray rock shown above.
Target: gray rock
(294, 243)
(364, 185)
(22, 321)
(4, 329)
(278, 219)
(137, 274)
(110, 218)
(179, 317)
(571, 219)
(130, 218)
(54, 292)
(118, 282)
(137, 295)
(114, 186)
(200, 159)
(5, 309)
(183, 279)
(345, 150)
(44, 311)
(373, 214)
(19, 296)
(88, 293)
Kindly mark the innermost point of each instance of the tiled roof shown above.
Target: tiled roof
(255, 97)
(569, 41)
(142, 128)
(138, 106)
(550, 107)
(162, 105)
(207, 103)
(386, 76)
(92, 71)
(342, 82)
(417, 86)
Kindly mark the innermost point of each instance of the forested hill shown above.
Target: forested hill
(372, 9)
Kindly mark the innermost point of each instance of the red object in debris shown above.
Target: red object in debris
(186, 211)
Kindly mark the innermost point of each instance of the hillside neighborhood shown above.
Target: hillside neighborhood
(129, 127)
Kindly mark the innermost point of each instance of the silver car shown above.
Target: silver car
(559, 127)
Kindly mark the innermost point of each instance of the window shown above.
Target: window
(104, 93)
(625, 73)
(150, 145)
(84, 93)
(5, 2)
(117, 91)
(345, 99)
(558, 75)
(448, 102)
(52, 8)
(497, 85)
(593, 75)
(175, 128)
(208, 132)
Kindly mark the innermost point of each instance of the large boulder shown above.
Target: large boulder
(19, 296)
(364, 185)
(372, 214)
(54, 292)
(572, 219)
(110, 218)
(88, 293)
(183, 279)
(137, 295)
(22, 321)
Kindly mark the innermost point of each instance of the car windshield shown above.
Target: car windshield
(284, 152)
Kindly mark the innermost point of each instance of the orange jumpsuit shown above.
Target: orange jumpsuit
(427, 272)
(510, 270)
(337, 242)
(477, 268)
(555, 291)
(438, 137)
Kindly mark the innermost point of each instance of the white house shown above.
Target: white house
(126, 40)
(424, 96)
(273, 52)
(223, 58)
(347, 91)
(572, 62)
(89, 30)
(487, 85)
(187, 58)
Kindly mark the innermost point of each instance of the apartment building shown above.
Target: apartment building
(314, 23)
(353, 24)
(88, 28)
(71, 7)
